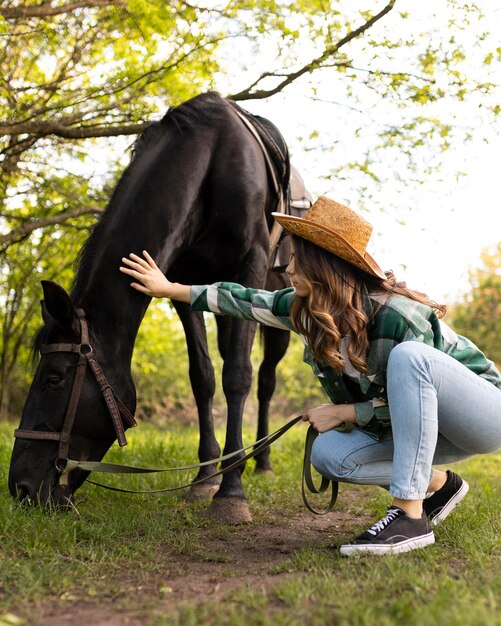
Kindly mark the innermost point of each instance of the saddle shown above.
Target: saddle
(299, 201)
(292, 196)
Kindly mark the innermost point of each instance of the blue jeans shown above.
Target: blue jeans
(441, 412)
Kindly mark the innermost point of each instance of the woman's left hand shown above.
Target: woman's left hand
(328, 416)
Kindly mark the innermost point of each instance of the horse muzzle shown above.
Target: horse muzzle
(46, 493)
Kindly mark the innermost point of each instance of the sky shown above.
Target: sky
(439, 237)
(430, 234)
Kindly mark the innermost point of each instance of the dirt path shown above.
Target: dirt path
(250, 557)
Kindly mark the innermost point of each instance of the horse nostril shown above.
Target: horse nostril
(24, 493)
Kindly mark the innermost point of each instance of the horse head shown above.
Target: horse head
(72, 410)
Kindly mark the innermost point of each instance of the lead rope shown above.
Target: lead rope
(307, 479)
(258, 446)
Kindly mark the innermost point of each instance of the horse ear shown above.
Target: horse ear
(57, 304)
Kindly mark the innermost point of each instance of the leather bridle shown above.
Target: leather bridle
(118, 411)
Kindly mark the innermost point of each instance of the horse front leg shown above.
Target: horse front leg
(275, 343)
(235, 343)
(203, 384)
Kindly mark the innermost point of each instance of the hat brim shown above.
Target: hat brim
(329, 240)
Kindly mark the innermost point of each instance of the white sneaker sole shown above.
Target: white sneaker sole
(451, 505)
(388, 548)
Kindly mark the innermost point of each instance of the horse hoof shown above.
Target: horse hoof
(201, 491)
(264, 471)
(229, 510)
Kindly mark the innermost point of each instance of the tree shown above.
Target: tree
(478, 316)
(45, 255)
(87, 69)
(80, 78)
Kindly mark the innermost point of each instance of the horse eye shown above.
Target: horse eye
(54, 381)
(43, 427)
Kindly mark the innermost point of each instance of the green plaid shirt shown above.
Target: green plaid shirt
(394, 319)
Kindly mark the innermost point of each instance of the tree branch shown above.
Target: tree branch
(42, 129)
(46, 10)
(65, 129)
(86, 132)
(32, 224)
(188, 5)
(248, 94)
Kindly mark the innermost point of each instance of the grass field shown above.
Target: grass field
(157, 561)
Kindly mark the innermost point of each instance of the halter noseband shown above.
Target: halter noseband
(118, 411)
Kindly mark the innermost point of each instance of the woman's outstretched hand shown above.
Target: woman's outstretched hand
(152, 280)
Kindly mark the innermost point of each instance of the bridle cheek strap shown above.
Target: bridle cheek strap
(71, 411)
(118, 411)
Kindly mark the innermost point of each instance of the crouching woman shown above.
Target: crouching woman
(413, 392)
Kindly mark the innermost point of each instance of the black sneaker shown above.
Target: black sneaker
(438, 506)
(395, 533)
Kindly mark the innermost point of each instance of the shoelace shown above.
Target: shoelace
(391, 515)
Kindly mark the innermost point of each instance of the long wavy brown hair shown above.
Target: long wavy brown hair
(334, 307)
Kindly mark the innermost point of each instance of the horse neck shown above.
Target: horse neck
(115, 317)
(165, 230)
(156, 207)
(115, 309)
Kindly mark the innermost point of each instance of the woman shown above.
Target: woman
(406, 392)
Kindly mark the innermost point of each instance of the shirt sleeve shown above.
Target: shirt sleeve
(271, 308)
(366, 412)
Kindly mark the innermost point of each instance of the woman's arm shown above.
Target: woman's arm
(270, 308)
(153, 282)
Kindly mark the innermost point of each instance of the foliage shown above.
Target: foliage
(104, 68)
(160, 363)
(160, 368)
(478, 316)
(25, 264)
(79, 80)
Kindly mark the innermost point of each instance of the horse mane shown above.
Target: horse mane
(41, 337)
(198, 111)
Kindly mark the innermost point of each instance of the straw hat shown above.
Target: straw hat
(336, 228)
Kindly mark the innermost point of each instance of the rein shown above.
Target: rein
(120, 414)
(257, 447)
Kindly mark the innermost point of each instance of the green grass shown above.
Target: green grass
(116, 544)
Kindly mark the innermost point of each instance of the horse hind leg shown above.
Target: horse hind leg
(275, 344)
(199, 492)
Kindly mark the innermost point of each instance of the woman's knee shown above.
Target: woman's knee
(406, 353)
(327, 458)
(409, 362)
(354, 457)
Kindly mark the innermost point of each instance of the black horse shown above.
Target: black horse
(197, 195)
